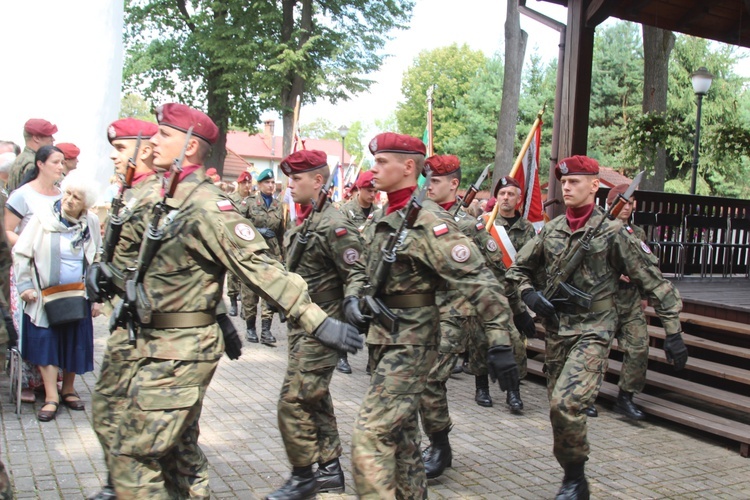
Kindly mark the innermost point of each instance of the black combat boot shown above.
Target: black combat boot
(482, 396)
(343, 364)
(574, 486)
(266, 337)
(625, 406)
(233, 306)
(438, 456)
(514, 401)
(252, 336)
(107, 493)
(590, 411)
(302, 485)
(330, 477)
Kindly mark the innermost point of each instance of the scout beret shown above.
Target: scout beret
(390, 142)
(619, 189)
(577, 165)
(69, 149)
(37, 126)
(129, 128)
(505, 182)
(364, 180)
(266, 174)
(443, 164)
(244, 176)
(182, 117)
(304, 160)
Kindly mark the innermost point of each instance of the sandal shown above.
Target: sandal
(47, 415)
(73, 404)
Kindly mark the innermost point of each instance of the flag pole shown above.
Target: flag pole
(430, 144)
(519, 161)
(293, 148)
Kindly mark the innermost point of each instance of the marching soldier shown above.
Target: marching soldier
(240, 199)
(578, 338)
(36, 133)
(432, 253)
(325, 250)
(120, 357)
(361, 207)
(264, 210)
(194, 236)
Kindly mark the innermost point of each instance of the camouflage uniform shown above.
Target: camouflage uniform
(578, 341)
(110, 395)
(158, 430)
(233, 283)
(23, 164)
(6, 490)
(632, 330)
(333, 269)
(385, 444)
(355, 213)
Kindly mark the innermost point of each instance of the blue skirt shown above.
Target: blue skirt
(70, 346)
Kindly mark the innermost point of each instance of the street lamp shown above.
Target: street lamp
(343, 130)
(701, 79)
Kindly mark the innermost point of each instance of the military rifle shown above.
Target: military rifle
(558, 290)
(472, 192)
(373, 305)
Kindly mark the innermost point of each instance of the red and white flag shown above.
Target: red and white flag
(528, 178)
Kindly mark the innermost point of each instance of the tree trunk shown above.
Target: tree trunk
(515, 48)
(218, 110)
(657, 45)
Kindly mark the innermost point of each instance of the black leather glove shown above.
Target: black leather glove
(12, 333)
(538, 303)
(353, 315)
(674, 348)
(502, 367)
(99, 285)
(266, 233)
(275, 309)
(339, 336)
(232, 342)
(525, 324)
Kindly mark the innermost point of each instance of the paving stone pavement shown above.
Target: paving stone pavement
(495, 454)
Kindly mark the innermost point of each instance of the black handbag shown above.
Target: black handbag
(64, 303)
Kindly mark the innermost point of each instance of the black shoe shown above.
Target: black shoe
(591, 411)
(457, 369)
(574, 486)
(343, 365)
(266, 337)
(296, 488)
(252, 336)
(438, 456)
(483, 397)
(330, 477)
(625, 406)
(514, 401)
(233, 306)
(107, 493)
(368, 370)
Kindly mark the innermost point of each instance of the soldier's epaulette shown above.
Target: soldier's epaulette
(340, 231)
(440, 229)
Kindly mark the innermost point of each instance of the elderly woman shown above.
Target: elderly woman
(57, 245)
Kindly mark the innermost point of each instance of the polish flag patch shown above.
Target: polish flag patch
(440, 229)
(340, 231)
(480, 226)
(225, 205)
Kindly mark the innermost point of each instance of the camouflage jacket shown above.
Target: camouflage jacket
(270, 217)
(5, 262)
(204, 236)
(613, 252)
(435, 255)
(628, 295)
(354, 213)
(24, 162)
(332, 259)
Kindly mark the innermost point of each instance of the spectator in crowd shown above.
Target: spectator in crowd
(65, 233)
(71, 153)
(36, 133)
(10, 147)
(6, 161)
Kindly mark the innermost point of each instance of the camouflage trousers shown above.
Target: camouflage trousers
(632, 337)
(233, 285)
(6, 490)
(478, 345)
(433, 404)
(110, 396)
(575, 367)
(305, 410)
(155, 453)
(250, 305)
(386, 457)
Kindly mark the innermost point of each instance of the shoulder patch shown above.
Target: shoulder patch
(225, 205)
(440, 229)
(460, 253)
(350, 255)
(629, 229)
(491, 245)
(340, 231)
(244, 232)
(645, 247)
(480, 226)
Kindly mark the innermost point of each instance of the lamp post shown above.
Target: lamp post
(343, 130)
(701, 80)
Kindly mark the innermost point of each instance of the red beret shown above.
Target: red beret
(37, 126)
(390, 142)
(244, 176)
(304, 160)
(619, 189)
(490, 204)
(129, 128)
(211, 171)
(182, 117)
(69, 149)
(443, 164)
(364, 180)
(577, 165)
(505, 182)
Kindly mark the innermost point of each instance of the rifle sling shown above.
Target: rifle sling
(409, 301)
(327, 296)
(597, 306)
(162, 321)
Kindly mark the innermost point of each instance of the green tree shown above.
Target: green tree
(452, 70)
(322, 128)
(135, 106)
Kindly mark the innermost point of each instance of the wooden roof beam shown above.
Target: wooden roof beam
(598, 11)
(698, 9)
